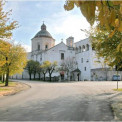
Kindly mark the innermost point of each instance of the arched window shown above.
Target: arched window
(79, 49)
(38, 46)
(46, 47)
(87, 47)
(83, 48)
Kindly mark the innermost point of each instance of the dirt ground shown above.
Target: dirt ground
(76, 101)
(12, 88)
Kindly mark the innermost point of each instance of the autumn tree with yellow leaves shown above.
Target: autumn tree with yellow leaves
(109, 48)
(49, 67)
(6, 24)
(106, 36)
(12, 57)
(13, 60)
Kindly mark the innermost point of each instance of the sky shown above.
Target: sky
(60, 23)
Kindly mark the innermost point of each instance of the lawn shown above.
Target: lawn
(11, 84)
(120, 89)
(7, 89)
(4, 89)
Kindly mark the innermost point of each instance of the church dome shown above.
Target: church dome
(43, 32)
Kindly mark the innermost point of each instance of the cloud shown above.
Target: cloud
(27, 47)
(68, 24)
(60, 23)
(71, 26)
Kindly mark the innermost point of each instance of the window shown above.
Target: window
(46, 46)
(38, 47)
(79, 49)
(62, 56)
(85, 68)
(40, 59)
(93, 48)
(83, 48)
(87, 61)
(87, 47)
(81, 60)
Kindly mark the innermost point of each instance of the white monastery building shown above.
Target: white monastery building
(81, 58)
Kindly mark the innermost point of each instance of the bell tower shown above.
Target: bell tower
(70, 41)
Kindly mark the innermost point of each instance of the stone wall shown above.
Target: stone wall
(104, 74)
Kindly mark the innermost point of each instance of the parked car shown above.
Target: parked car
(116, 77)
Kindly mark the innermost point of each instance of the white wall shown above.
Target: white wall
(86, 56)
(42, 41)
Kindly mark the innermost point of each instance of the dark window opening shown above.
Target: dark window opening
(62, 56)
(81, 60)
(93, 48)
(38, 47)
(85, 68)
(46, 46)
(87, 47)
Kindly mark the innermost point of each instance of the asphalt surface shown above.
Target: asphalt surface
(78, 101)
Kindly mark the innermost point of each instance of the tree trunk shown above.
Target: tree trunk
(7, 77)
(44, 77)
(3, 78)
(117, 79)
(50, 76)
(30, 76)
(39, 76)
(34, 76)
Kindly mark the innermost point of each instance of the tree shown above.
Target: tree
(13, 60)
(36, 68)
(68, 65)
(106, 36)
(109, 12)
(4, 49)
(110, 48)
(44, 67)
(51, 67)
(6, 28)
(29, 67)
(39, 71)
(6, 25)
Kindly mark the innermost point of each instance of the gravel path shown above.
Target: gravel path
(76, 101)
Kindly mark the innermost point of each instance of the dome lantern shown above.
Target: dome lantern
(43, 27)
(43, 32)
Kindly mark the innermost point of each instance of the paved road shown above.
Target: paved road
(60, 102)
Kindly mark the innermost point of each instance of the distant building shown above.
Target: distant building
(85, 64)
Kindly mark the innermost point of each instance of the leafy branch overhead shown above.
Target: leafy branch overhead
(6, 24)
(109, 13)
(12, 57)
(106, 35)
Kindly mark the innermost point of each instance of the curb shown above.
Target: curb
(15, 92)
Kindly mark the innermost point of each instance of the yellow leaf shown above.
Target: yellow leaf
(120, 27)
(117, 22)
(121, 8)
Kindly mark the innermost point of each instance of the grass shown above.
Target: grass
(4, 89)
(7, 89)
(10, 84)
(120, 89)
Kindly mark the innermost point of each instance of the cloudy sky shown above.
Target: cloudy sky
(60, 23)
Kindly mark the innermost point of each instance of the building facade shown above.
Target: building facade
(80, 57)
